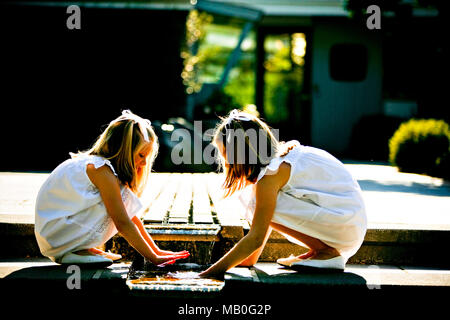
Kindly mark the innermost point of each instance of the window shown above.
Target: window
(283, 75)
(348, 62)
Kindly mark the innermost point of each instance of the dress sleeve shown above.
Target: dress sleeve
(132, 203)
(99, 162)
(274, 164)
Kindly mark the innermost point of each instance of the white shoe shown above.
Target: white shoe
(337, 263)
(108, 255)
(287, 262)
(113, 256)
(72, 258)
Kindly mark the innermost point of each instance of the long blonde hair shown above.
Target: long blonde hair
(120, 142)
(244, 159)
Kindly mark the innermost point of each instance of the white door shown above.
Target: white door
(346, 81)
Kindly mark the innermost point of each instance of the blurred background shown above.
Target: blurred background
(312, 69)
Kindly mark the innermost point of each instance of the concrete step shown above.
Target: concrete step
(365, 276)
(38, 281)
(408, 220)
(384, 244)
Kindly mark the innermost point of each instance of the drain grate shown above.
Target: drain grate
(144, 276)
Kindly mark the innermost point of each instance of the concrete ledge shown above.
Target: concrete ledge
(391, 197)
(368, 277)
(8, 229)
(394, 244)
(44, 273)
(34, 286)
(18, 240)
(39, 280)
(184, 232)
(404, 246)
(406, 235)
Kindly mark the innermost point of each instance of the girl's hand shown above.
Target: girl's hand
(168, 259)
(204, 274)
(211, 274)
(178, 253)
(166, 263)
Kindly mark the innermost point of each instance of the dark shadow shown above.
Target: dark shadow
(40, 284)
(53, 272)
(43, 290)
(289, 292)
(310, 277)
(414, 187)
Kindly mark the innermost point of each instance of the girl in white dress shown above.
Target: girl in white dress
(303, 192)
(91, 196)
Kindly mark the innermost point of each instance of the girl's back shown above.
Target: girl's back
(70, 210)
(321, 199)
(315, 170)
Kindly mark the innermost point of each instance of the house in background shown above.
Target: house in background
(320, 72)
(312, 69)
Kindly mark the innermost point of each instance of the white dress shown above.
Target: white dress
(321, 199)
(70, 214)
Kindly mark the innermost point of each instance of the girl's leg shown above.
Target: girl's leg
(318, 249)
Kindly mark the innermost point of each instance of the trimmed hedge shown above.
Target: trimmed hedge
(421, 146)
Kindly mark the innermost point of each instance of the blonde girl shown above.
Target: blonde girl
(302, 192)
(91, 196)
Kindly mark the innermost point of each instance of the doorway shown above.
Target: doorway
(346, 82)
(282, 81)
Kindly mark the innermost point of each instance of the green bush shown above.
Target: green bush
(421, 146)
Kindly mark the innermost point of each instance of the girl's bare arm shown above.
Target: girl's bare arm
(138, 223)
(266, 196)
(253, 258)
(109, 188)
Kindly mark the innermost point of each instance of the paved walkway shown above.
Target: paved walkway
(43, 284)
(403, 199)
(369, 277)
(392, 198)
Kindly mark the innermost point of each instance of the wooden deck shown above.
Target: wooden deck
(190, 207)
(182, 208)
(187, 198)
(176, 199)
